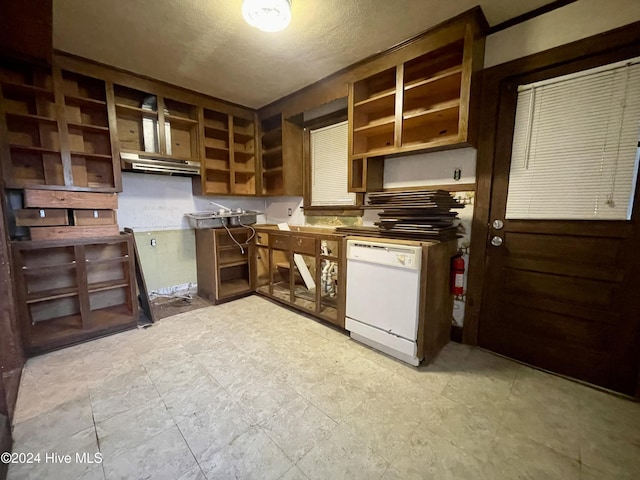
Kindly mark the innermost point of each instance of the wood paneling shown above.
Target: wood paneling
(60, 233)
(70, 199)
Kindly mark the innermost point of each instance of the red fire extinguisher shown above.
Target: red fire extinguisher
(457, 275)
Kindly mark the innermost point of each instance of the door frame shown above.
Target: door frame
(617, 44)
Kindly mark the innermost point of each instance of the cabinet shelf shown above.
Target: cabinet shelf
(377, 128)
(221, 170)
(31, 118)
(128, 110)
(88, 127)
(382, 101)
(424, 116)
(215, 144)
(77, 101)
(47, 268)
(97, 156)
(455, 71)
(215, 125)
(237, 286)
(110, 285)
(69, 328)
(243, 156)
(25, 89)
(233, 264)
(175, 119)
(106, 261)
(53, 294)
(272, 136)
(28, 148)
(241, 137)
(273, 171)
(272, 151)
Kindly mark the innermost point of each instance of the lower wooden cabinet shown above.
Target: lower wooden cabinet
(73, 290)
(302, 269)
(224, 268)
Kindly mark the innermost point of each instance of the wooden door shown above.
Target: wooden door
(559, 294)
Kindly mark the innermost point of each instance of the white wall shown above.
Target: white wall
(430, 168)
(572, 22)
(158, 202)
(278, 210)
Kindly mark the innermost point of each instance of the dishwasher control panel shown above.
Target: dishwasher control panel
(394, 255)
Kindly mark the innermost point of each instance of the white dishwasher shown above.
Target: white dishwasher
(383, 297)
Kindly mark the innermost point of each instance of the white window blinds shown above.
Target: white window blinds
(329, 165)
(575, 146)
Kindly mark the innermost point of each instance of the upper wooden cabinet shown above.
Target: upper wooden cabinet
(138, 116)
(420, 104)
(281, 146)
(54, 131)
(229, 155)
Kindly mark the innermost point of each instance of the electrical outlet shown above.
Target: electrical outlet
(153, 242)
(289, 212)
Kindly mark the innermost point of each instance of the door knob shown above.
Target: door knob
(497, 224)
(496, 241)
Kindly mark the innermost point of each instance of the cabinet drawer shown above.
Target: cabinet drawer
(279, 242)
(32, 217)
(94, 217)
(304, 245)
(262, 238)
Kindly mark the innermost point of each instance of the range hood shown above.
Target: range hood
(156, 163)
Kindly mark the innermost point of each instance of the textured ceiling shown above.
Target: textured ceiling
(205, 45)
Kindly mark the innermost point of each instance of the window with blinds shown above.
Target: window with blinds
(329, 148)
(575, 146)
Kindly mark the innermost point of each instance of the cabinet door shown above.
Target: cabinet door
(330, 284)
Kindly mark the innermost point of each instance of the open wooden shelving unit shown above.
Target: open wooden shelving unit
(422, 103)
(138, 117)
(57, 131)
(224, 268)
(281, 148)
(229, 165)
(73, 290)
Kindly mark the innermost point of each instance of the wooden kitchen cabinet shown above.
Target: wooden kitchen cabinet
(279, 277)
(281, 148)
(74, 290)
(224, 266)
(229, 159)
(140, 116)
(425, 102)
(54, 131)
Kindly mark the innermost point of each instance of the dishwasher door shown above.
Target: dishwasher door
(383, 287)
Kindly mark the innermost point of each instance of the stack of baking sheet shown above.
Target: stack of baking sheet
(416, 215)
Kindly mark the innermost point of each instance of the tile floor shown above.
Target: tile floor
(252, 390)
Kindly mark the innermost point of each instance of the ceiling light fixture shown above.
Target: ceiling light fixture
(267, 15)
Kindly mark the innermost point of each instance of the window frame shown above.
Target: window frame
(320, 210)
